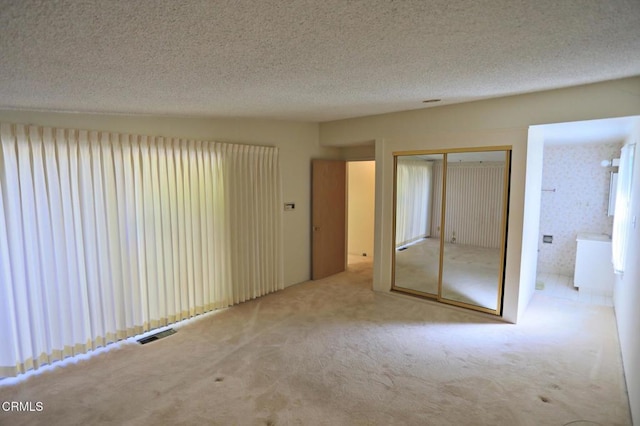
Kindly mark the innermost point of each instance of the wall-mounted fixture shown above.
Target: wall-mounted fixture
(615, 162)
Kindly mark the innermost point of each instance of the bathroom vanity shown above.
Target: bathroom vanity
(594, 270)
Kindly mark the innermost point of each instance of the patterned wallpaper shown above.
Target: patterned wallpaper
(579, 203)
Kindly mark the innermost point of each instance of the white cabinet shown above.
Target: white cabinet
(594, 269)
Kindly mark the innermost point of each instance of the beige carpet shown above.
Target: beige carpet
(332, 352)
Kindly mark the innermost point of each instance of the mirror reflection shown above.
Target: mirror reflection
(473, 228)
(453, 252)
(417, 263)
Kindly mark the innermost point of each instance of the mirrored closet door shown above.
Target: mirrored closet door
(450, 225)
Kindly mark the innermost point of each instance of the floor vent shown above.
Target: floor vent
(156, 336)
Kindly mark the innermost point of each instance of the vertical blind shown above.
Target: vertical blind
(106, 235)
(413, 200)
(474, 200)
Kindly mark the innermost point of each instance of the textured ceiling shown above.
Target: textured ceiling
(312, 60)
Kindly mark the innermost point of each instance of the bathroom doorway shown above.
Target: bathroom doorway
(576, 173)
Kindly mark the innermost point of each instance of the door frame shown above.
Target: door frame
(346, 212)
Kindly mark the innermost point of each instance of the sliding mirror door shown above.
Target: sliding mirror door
(474, 225)
(450, 226)
(417, 245)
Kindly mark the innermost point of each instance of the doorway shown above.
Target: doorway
(343, 212)
(561, 159)
(360, 212)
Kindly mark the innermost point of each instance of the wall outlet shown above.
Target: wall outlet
(547, 239)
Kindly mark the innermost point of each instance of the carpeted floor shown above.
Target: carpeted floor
(332, 352)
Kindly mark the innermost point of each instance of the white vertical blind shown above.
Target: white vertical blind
(106, 235)
(413, 200)
(622, 215)
(474, 203)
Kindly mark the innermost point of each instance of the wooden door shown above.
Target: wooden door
(328, 217)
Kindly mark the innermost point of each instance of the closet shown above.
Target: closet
(450, 217)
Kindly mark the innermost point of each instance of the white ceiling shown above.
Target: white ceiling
(588, 132)
(312, 60)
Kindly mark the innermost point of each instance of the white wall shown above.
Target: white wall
(531, 216)
(362, 152)
(502, 121)
(361, 206)
(580, 201)
(626, 295)
(298, 143)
